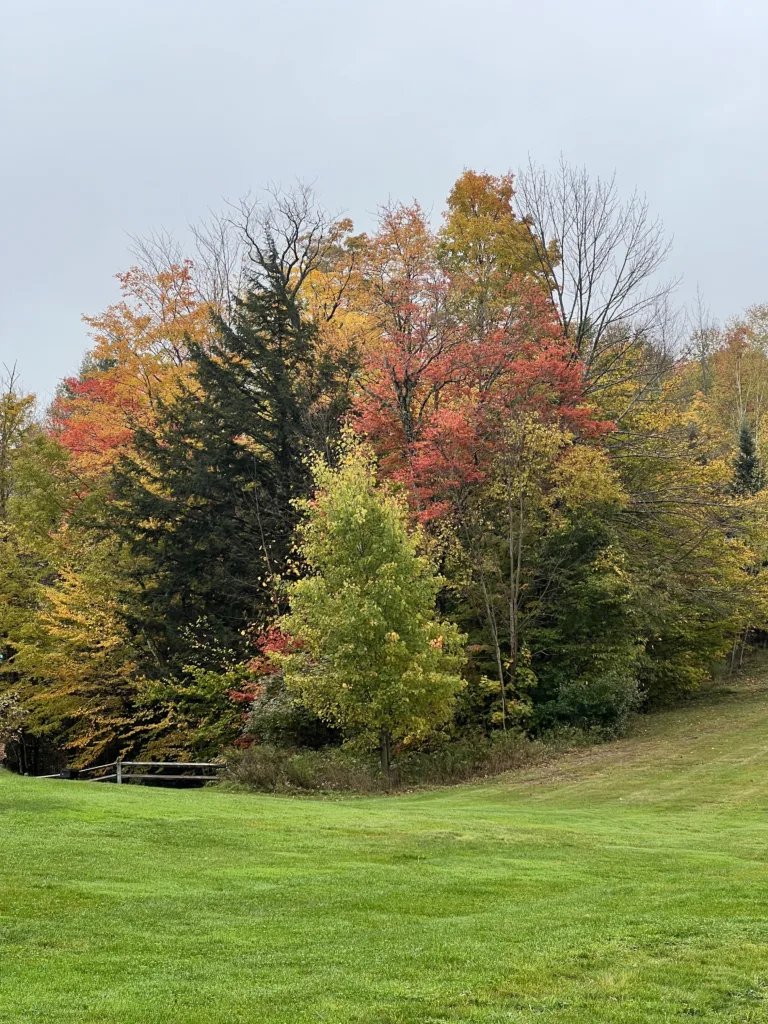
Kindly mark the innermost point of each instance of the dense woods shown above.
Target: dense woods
(383, 493)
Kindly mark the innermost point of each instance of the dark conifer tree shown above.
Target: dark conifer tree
(748, 472)
(206, 503)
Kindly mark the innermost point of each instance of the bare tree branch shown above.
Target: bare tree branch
(705, 338)
(288, 237)
(603, 264)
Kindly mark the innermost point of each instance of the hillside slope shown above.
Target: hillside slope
(623, 883)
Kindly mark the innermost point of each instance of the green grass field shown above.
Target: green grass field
(621, 883)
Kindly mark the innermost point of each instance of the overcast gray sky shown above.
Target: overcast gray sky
(120, 118)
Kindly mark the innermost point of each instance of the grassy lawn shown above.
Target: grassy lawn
(624, 883)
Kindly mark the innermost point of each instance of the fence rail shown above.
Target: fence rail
(120, 771)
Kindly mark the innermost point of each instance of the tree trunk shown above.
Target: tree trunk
(732, 665)
(497, 649)
(385, 741)
(515, 545)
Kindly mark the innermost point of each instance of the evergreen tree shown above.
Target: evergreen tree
(205, 504)
(748, 472)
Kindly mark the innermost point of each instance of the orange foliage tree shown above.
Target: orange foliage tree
(139, 356)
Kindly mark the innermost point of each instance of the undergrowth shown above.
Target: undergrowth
(274, 769)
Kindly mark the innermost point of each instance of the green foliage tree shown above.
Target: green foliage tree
(368, 653)
(18, 575)
(65, 650)
(697, 580)
(584, 633)
(537, 577)
(190, 714)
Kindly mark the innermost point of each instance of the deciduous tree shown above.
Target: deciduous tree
(369, 654)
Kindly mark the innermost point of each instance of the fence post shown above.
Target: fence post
(119, 770)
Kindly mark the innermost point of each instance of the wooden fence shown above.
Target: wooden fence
(120, 771)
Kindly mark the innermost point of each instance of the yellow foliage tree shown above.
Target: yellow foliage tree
(76, 659)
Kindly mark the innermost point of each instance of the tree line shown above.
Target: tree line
(314, 488)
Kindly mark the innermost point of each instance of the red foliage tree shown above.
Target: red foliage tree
(435, 395)
(413, 344)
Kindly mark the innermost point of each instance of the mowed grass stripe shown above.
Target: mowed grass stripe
(624, 883)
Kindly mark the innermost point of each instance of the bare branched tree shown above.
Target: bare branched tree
(217, 255)
(287, 237)
(16, 410)
(603, 265)
(219, 262)
(273, 239)
(705, 338)
(157, 252)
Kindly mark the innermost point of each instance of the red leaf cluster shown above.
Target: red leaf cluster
(271, 641)
(89, 418)
(435, 401)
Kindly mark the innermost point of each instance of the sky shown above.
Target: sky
(119, 119)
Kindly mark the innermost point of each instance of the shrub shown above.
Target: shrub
(268, 768)
(277, 717)
(272, 769)
(604, 703)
